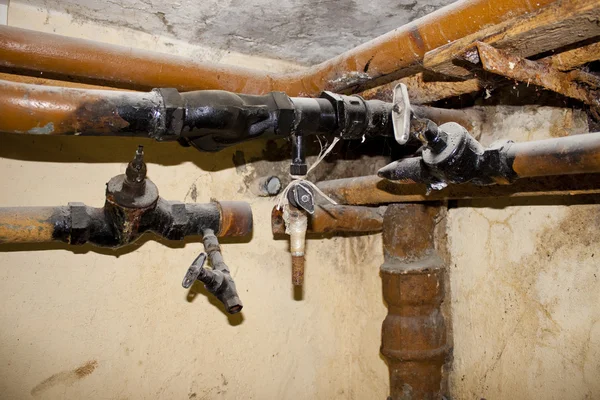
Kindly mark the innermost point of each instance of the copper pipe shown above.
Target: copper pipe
(335, 218)
(576, 154)
(375, 190)
(391, 56)
(413, 335)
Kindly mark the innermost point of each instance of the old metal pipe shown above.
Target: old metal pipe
(452, 155)
(46, 110)
(576, 154)
(381, 60)
(78, 224)
(132, 207)
(207, 119)
(335, 218)
(375, 190)
(413, 336)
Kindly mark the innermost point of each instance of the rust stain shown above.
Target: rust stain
(26, 225)
(65, 378)
(236, 218)
(298, 270)
(86, 369)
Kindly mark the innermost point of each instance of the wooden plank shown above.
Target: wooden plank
(503, 63)
(560, 24)
(571, 59)
(421, 91)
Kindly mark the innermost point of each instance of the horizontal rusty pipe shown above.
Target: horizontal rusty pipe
(78, 224)
(335, 218)
(376, 190)
(210, 120)
(471, 118)
(413, 335)
(453, 156)
(30, 224)
(577, 154)
(40, 110)
(132, 207)
(386, 58)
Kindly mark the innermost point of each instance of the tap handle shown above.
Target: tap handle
(194, 271)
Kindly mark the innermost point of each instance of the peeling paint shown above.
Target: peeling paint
(43, 130)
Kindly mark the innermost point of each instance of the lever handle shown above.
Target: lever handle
(194, 271)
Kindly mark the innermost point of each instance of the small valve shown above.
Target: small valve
(217, 280)
(301, 196)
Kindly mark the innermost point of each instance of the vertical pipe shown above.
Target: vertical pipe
(413, 336)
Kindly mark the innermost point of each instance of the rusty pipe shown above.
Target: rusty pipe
(210, 120)
(36, 109)
(375, 190)
(577, 154)
(132, 207)
(78, 224)
(30, 224)
(413, 335)
(452, 155)
(381, 60)
(329, 218)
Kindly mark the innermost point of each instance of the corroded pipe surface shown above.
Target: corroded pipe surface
(413, 336)
(386, 58)
(577, 154)
(210, 120)
(375, 190)
(44, 110)
(30, 224)
(336, 218)
(114, 227)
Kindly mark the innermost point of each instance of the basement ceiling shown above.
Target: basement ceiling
(302, 31)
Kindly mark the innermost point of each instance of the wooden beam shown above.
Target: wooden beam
(421, 91)
(571, 59)
(503, 63)
(560, 24)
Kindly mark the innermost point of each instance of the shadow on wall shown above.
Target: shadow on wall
(94, 149)
(113, 149)
(198, 289)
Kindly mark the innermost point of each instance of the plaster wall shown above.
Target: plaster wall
(525, 283)
(301, 31)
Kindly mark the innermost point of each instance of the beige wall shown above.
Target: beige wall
(88, 323)
(525, 282)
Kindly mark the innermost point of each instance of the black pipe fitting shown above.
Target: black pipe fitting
(211, 120)
(133, 207)
(217, 280)
(452, 155)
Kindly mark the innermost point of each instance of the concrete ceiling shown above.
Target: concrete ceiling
(302, 31)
